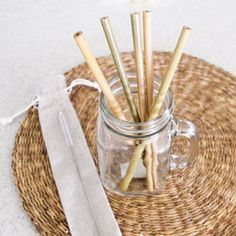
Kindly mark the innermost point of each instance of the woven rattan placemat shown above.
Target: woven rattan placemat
(196, 201)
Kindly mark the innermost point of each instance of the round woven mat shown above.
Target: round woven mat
(197, 201)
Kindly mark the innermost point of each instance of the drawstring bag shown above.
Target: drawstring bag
(83, 198)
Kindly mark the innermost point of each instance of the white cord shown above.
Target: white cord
(35, 101)
(85, 82)
(8, 120)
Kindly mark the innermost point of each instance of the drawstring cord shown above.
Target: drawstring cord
(85, 82)
(35, 100)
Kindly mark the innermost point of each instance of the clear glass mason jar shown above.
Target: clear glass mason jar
(117, 140)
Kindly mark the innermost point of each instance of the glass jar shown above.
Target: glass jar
(118, 140)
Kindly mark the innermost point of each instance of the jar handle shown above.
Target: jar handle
(188, 130)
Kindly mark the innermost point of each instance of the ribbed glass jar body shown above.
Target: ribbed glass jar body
(117, 139)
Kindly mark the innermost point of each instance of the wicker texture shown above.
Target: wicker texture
(197, 201)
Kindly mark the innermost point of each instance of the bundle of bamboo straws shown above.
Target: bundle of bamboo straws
(149, 108)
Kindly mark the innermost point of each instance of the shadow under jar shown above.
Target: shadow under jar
(117, 140)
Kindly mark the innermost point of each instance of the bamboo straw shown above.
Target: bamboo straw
(148, 62)
(154, 165)
(148, 58)
(119, 66)
(137, 41)
(93, 65)
(138, 49)
(155, 112)
(148, 165)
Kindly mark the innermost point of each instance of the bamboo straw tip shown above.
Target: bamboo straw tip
(135, 14)
(147, 12)
(78, 34)
(187, 28)
(104, 18)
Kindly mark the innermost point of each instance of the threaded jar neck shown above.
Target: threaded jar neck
(131, 129)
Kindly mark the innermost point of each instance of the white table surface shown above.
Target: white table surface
(36, 41)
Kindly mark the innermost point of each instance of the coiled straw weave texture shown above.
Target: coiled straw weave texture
(197, 201)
